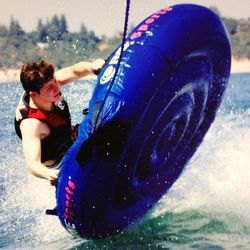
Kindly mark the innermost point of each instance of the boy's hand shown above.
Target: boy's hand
(53, 176)
(97, 65)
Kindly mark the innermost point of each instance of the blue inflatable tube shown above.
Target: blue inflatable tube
(173, 74)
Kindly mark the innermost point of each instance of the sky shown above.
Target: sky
(105, 17)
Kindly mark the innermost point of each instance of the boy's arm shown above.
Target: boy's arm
(31, 130)
(78, 70)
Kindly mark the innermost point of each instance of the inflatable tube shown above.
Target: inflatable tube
(171, 80)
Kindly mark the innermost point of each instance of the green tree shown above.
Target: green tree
(53, 29)
(41, 32)
(63, 26)
(15, 29)
(231, 24)
(83, 35)
(3, 31)
(16, 35)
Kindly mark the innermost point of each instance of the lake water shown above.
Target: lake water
(207, 207)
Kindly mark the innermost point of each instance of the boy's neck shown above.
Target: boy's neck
(34, 103)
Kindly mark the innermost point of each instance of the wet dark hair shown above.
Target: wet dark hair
(35, 74)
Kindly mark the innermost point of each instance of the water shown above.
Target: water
(207, 208)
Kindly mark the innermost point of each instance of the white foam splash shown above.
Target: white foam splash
(218, 176)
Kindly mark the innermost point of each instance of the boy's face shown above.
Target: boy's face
(50, 92)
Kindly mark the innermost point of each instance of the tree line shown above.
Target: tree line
(239, 34)
(53, 41)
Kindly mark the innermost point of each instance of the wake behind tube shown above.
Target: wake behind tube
(173, 73)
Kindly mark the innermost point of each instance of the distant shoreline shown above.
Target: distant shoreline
(240, 65)
(9, 75)
(12, 75)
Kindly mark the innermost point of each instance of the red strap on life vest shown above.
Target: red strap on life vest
(52, 118)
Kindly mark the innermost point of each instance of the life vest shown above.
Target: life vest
(55, 145)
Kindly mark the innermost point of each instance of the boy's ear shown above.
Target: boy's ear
(33, 93)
